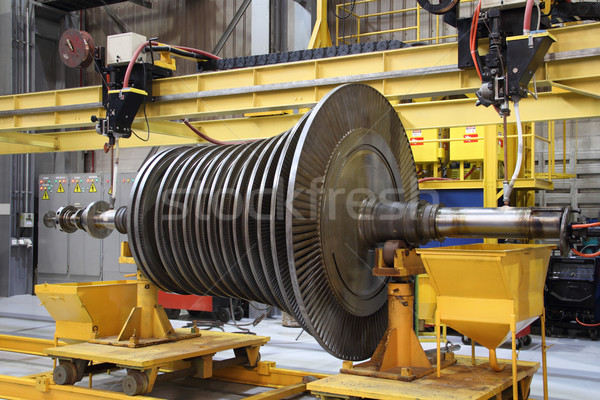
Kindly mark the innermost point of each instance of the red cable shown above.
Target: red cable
(431, 178)
(581, 226)
(470, 172)
(591, 255)
(527, 17)
(208, 138)
(136, 54)
(200, 52)
(473, 38)
(588, 325)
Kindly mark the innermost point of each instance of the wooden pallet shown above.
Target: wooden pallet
(460, 381)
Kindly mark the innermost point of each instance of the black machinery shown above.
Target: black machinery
(572, 295)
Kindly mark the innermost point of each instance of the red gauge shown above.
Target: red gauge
(76, 48)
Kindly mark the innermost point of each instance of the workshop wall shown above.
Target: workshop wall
(583, 160)
(197, 24)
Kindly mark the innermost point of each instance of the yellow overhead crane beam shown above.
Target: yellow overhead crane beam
(570, 76)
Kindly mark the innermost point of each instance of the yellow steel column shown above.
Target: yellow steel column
(513, 334)
(438, 322)
(320, 35)
(544, 348)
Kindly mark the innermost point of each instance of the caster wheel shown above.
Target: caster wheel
(65, 373)
(172, 313)
(136, 382)
(238, 313)
(519, 345)
(527, 340)
(224, 315)
(466, 341)
(593, 334)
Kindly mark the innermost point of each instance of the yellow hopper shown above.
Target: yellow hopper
(88, 310)
(486, 290)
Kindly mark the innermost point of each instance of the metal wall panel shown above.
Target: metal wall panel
(85, 252)
(53, 245)
(582, 153)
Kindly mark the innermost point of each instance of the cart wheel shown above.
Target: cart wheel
(527, 340)
(172, 313)
(238, 313)
(466, 341)
(65, 373)
(224, 315)
(136, 382)
(593, 334)
(519, 345)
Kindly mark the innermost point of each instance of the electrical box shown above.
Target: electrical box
(120, 48)
(472, 147)
(111, 268)
(85, 252)
(424, 152)
(26, 220)
(469, 149)
(52, 243)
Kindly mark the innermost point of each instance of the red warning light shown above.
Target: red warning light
(88, 181)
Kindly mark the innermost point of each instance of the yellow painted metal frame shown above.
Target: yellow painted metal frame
(284, 382)
(401, 75)
(25, 345)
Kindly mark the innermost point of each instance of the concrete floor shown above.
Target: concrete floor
(573, 364)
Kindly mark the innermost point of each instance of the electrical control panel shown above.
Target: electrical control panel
(52, 244)
(467, 142)
(423, 149)
(85, 253)
(77, 256)
(26, 220)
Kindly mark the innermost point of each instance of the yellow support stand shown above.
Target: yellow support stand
(320, 35)
(399, 355)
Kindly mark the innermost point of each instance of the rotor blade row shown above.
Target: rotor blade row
(209, 220)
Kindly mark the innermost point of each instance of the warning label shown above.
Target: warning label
(45, 195)
(416, 141)
(77, 188)
(93, 188)
(60, 188)
(469, 136)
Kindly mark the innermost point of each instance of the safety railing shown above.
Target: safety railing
(348, 11)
